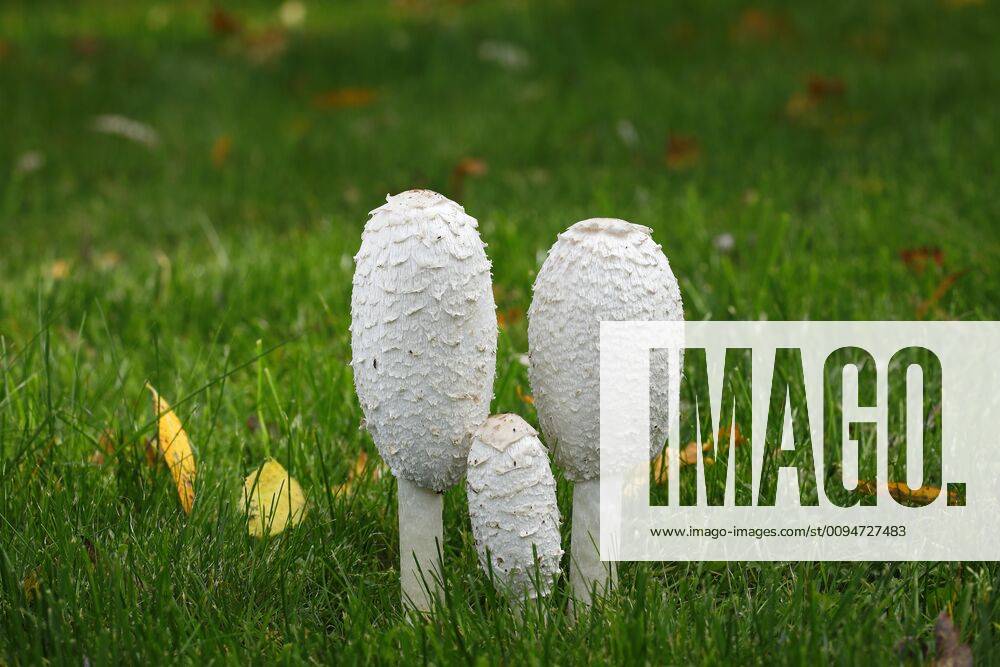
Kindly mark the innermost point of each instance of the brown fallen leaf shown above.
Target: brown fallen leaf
(822, 87)
(106, 444)
(344, 98)
(512, 315)
(758, 25)
(951, 652)
(819, 90)
(223, 23)
(468, 166)
(272, 500)
(356, 473)
(683, 152)
(916, 259)
(220, 150)
(942, 288)
(175, 448)
(527, 398)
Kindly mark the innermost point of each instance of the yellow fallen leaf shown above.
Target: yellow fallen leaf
(220, 150)
(903, 493)
(689, 453)
(175, 448)
(356, 473)
(272, 500)
(344, 98)
(59, 269)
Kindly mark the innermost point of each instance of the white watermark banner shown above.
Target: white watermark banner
(800, 441)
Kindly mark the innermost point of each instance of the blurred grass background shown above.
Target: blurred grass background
(797, 161)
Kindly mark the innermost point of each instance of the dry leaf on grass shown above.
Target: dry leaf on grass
(510, 316)
(466, 167)
(526, 398)
(106, 447)
(683, 152)
(175, 449)
(223, 23)
(951, 652)
(220, 150)
(917, 259)
(759, 25)
(344, 98)
(903, 493)
(59, 269)
(689, 453)
(942, 288)
(819, 91)
(272, 500)
(357, 473)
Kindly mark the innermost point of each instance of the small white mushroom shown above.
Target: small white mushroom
(598, 270)
(512, 507)
(424, 341)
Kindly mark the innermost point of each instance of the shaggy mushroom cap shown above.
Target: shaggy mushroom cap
(512, 506)
(600, 269)
(423, 335)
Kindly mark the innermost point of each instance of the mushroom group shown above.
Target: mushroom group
(424, 343)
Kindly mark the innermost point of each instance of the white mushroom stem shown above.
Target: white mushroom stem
(421, 540)
(587, 573)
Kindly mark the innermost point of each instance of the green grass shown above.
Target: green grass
(175, 268)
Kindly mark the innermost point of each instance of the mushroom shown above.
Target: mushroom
(598, 270)
(512, 507)
(424, 342)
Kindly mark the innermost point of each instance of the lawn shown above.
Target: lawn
(809, 161)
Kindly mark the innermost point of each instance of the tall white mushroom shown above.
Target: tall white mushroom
(512, 507)
(424, 342)
(598, 270)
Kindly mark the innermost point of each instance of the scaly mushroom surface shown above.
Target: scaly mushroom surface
(512, 507)
(424, 340)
